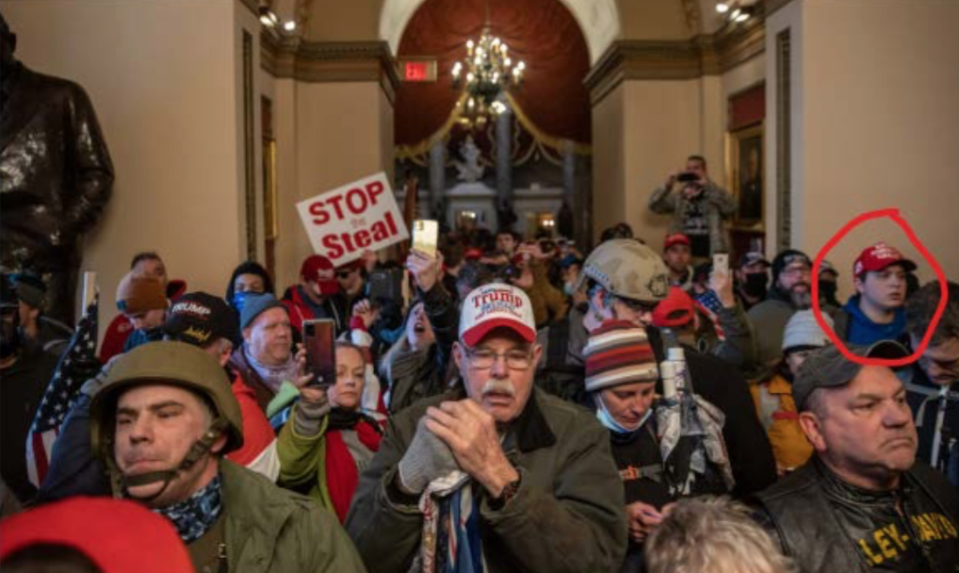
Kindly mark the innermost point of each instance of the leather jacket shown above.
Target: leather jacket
(55, 171)
(827, 525)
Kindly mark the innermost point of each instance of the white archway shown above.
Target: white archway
(598, 20)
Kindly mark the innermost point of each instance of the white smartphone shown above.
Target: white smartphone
(425, 235)
(721, 263)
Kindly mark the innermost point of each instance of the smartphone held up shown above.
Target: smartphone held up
(320, 344)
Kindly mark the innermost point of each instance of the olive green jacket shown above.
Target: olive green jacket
(274, 530)
(567, 515)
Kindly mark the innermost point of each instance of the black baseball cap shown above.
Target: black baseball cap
(752, 257)
(199, 318)
(828, 368)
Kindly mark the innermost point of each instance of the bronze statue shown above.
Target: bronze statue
(55, 175)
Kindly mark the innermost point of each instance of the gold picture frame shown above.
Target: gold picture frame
(746, 174)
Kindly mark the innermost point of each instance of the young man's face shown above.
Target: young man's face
(499, 372)
(156, 425)
(940, 362)
(147, 319)
(248, 282)
(505, 243)
(885, 289)
(152, 268)
(677, 258)
(349, 278)
(696, 166)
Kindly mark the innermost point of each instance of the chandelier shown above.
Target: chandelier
(486, 73)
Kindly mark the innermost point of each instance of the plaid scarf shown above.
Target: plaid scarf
(194, 516)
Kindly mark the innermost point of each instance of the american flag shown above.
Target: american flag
(72, 371)
(709, 304)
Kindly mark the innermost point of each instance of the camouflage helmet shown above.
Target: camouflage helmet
(167, 363)
(628, 269)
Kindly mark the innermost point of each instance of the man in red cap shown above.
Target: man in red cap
(677, 256)
(877, 311)
(317, 295)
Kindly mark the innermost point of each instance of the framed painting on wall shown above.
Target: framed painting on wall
(744, 166)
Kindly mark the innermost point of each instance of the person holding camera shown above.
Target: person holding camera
(699, 208)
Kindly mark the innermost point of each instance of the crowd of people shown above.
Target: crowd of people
(529, 407)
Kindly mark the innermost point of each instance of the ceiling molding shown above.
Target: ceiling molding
(327, 62)
(703, 55)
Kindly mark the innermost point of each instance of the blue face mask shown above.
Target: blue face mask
(611, 424)
(240, 298)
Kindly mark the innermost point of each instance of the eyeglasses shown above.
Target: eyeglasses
(483, 359)
(796, 271)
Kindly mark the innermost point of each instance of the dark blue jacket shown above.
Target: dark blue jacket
(860, 329)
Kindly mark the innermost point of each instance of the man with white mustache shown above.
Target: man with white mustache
(495, 475)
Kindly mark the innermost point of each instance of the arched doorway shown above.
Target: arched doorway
(534, 162)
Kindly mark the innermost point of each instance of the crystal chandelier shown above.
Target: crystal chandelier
(487, 72)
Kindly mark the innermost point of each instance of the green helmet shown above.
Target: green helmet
(628, 269)
(165, 362)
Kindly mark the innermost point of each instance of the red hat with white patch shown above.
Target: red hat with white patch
(493, 306)
(878, 257)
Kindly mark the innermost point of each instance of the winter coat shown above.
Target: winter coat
(780, 417)
(566, 516)
(718, 204)
(269, 529)
(334, 307)
(323, 462)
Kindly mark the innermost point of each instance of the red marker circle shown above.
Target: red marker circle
(893, 214)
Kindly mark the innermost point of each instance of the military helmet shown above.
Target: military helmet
(628, 269)
(168, 363)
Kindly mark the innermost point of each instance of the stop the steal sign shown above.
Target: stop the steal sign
(345, 222)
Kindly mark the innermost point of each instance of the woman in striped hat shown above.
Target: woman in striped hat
(621, 375)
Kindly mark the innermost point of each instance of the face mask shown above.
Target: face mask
(827, 290)
(604, 417)
(756, 284)
(568, 289)
(239, 299)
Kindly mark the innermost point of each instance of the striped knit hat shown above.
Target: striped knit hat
(618, 352)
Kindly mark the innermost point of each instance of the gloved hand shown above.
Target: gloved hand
(427, 458)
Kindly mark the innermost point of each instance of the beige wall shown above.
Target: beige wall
(170, 119)
(339, 21)
(878, 123)
(328, 134)
(609, 163)
(653, 20)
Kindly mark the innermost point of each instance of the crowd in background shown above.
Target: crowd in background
(505, 404)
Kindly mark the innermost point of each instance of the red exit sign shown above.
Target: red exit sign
(418, 70)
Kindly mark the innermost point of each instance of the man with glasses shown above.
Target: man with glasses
(495, 475)
(791, 291)
(934, 385)
(352, 283)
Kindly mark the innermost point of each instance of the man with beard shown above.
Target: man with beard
(877, 311)
(933, 389)
(496, 475)
(790, 292)
(677, 256)
(862, 503)
(752, 279)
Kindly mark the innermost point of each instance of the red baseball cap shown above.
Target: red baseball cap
(676, 239)
(119, 536)
(473, 254)
(878, 257)
(676, 310)
(320, 270)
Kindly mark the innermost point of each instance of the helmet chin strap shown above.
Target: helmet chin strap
(199, 449)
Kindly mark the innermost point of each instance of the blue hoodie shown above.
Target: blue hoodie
(862, 330)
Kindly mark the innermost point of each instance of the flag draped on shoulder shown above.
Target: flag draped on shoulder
(77, 364)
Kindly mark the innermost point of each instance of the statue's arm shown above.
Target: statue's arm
(91, 161)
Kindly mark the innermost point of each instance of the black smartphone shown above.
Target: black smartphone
(319, 341)
(385, 283)
(687, 177)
